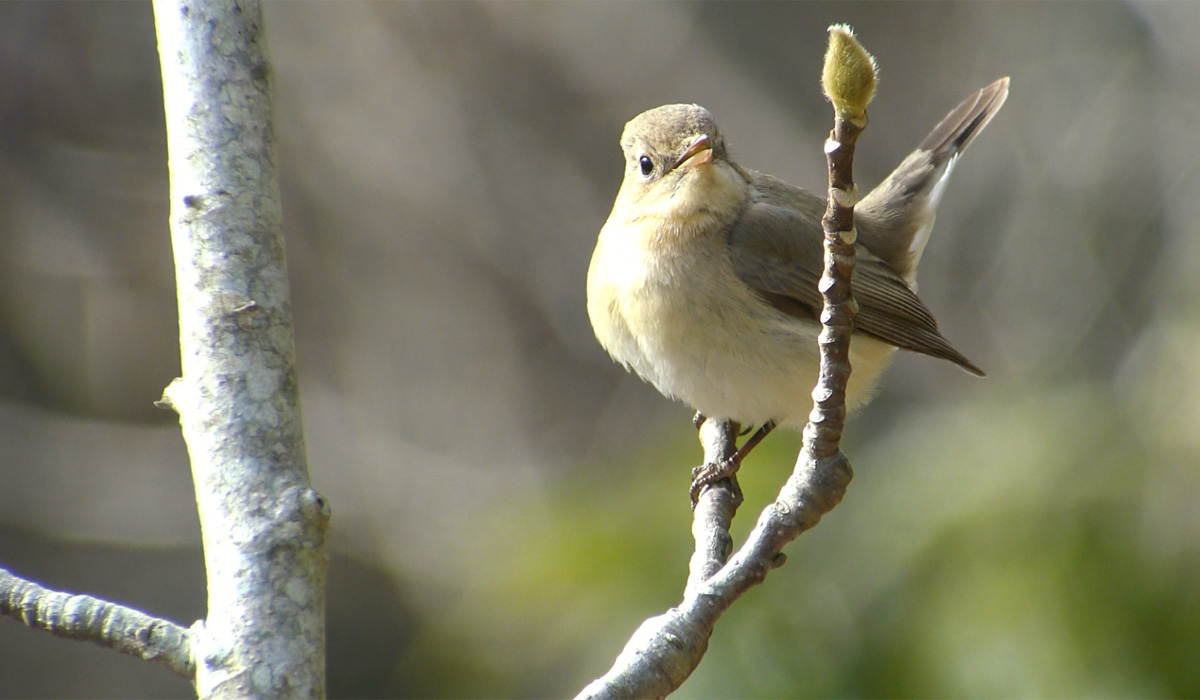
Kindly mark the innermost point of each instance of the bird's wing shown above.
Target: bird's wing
(775, 248)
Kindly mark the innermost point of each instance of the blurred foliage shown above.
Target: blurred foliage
(988, 564)
(508, 504)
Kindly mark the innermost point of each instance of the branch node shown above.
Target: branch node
(168, 402)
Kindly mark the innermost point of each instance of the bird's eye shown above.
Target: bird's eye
(647, 165)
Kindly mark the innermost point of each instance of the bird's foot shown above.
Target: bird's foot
(710, 473)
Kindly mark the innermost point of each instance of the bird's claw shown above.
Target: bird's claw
(710, 473)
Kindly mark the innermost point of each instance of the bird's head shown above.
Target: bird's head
(677, 167)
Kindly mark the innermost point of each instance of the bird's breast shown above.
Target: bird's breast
(683, 321)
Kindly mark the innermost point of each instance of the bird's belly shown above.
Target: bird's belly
(714, 344)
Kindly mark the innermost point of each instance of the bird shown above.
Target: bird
(704, 277)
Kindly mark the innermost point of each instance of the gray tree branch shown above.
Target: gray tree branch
(84, 618)
(264, 528)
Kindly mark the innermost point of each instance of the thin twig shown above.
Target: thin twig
(84, 618)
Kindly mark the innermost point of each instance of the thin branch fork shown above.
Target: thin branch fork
(665, 650)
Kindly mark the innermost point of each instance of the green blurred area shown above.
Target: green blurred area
(970, 558)
(508, 504)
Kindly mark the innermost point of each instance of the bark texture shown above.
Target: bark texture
(264, 527)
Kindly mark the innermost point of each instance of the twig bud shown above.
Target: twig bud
(850, 73)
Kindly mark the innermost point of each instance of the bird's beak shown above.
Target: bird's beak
(699, 153)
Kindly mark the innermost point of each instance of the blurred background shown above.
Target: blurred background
(508, 503)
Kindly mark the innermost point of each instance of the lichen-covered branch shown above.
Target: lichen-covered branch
(87, 619)
(666, 649)
(264, 527)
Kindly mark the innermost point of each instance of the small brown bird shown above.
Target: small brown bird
(704, 278)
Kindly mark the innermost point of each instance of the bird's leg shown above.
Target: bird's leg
(711, 472)
(756, 438)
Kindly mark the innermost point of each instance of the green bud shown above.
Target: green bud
(850, 73)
